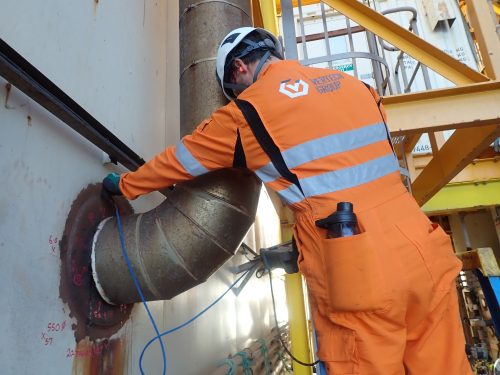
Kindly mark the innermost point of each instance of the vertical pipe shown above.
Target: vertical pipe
(298, 323)
(289, 30)
(327, 38)
(268, 9)
(377, 71)
(351, 46)
(202, 25)
(302, 31)
(484, 25)
(465, 232)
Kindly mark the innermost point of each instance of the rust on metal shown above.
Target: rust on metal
(94, 317)
(99, 357)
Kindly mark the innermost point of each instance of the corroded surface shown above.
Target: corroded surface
(94, 317)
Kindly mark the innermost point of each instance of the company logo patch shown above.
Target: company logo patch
(231, 38)
(294, 90)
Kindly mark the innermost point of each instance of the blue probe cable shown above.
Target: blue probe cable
(139, 290)
(193, 318)
(158, 335)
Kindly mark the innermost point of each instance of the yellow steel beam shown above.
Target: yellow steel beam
(295, 3)
(411, 142)
(484, 27)
(405, 40)
(297, 320)
(463, 196)
(299, 332)
(257, 20)
(451, 108)
(268, 8)
(480, 171)
(460, 149)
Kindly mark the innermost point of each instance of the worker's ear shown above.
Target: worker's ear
(240, 66)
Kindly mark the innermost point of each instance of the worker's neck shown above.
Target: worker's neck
(269, 61)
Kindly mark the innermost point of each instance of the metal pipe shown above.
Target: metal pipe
(202, 25)
(268, 8)
(180, 243)
(23, 75)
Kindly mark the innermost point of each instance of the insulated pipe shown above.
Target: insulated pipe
(202, 25)
(180, 243)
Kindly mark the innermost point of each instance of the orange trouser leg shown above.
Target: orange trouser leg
(405, 322)
(437, 345)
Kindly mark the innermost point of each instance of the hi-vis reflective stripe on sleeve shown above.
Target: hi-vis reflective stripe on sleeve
(188, 161)
(342, 179)
(325, 146)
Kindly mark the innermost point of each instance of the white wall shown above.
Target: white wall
(119, 60)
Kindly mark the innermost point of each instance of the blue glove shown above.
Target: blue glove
(111, 185)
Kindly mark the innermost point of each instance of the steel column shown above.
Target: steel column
(482, 21)
(202, 26)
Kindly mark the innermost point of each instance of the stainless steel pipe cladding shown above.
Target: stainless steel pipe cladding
(180, 243)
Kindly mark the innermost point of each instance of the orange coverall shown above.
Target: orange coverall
(384, 301)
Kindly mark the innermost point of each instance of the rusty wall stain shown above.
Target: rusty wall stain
(100, 357)
(95, 319)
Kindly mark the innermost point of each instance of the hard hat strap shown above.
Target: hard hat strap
(261, 64)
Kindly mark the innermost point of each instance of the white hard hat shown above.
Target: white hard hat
(269, 42)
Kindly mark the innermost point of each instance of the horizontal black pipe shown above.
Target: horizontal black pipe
(20, 73)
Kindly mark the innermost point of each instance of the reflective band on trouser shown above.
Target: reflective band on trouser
(325, 146)
(188, 161)
(341, 179)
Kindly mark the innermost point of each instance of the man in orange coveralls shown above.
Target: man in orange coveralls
(384, 301)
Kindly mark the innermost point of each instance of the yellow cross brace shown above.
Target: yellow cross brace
(405, 40)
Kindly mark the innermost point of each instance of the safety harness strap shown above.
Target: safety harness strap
(266, 142)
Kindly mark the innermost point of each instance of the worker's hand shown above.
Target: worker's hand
(111, 186)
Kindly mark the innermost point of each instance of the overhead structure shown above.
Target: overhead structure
(465, 144)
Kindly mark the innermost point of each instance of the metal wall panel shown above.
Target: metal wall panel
(112, 57)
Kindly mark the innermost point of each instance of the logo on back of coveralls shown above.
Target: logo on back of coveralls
(294, 90)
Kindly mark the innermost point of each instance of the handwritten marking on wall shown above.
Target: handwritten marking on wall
(53, 244)
(53, 328)
(89, 351)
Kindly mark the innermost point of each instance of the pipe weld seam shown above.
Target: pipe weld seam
(144, 275)
(196, 62)
(171, 251)
(195, 5)
(210, 235)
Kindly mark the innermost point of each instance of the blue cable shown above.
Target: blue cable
(193, 318)
(158, 335)
(138, 287)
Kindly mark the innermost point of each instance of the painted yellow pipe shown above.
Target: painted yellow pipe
(299, 332)
(298, 325)
(269, 18)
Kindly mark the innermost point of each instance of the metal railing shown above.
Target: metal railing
(400, 64)
(380, 67)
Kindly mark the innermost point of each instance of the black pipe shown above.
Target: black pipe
(20, 73)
